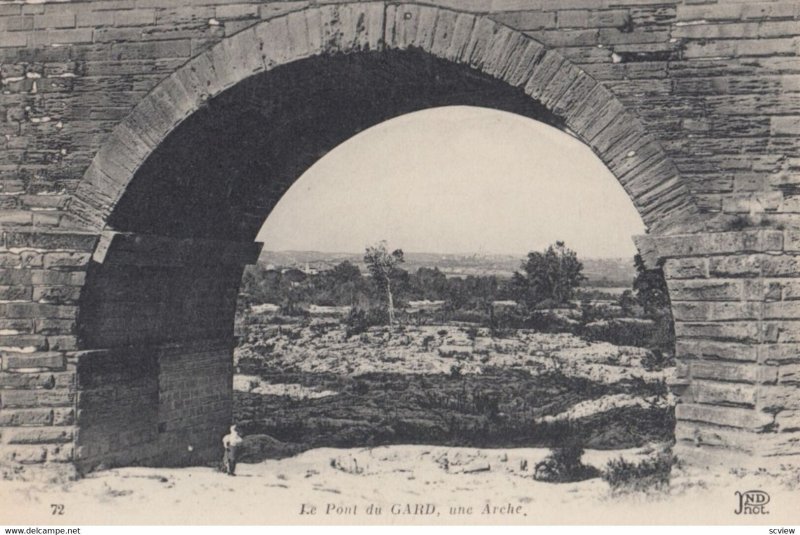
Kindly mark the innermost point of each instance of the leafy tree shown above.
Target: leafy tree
(345, 284)
(650, 287)
(382, 265)
(551, 275)
(345, 272)
(429, 283)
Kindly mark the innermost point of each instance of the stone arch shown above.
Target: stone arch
(144, 374)
(587, 108)
(151, 348)
(159, 299)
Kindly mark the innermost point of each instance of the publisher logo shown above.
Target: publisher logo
(752, 502)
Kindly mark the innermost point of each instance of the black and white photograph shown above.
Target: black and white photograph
(439, 262)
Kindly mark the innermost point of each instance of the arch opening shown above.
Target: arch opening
(465, 364)
(162, 300)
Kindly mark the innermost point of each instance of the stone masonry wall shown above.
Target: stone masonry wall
(157, 405)
(158, 390)
(717, 82)
(735, 300)
(42, 276)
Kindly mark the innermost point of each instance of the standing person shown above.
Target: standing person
(231, 443)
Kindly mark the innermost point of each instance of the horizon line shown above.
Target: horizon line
(434, 253)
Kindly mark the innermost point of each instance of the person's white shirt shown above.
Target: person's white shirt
(232, 439)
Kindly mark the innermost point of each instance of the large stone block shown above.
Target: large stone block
(728, 371)
(717, 393)
(736, 331)
(36, 398)
(774, 398)
(26, 417)
(686, 268)
(722, 311)
(706, 290)
(712, 349)
(734, 266)
(37, 435)
(53, 361)
(718, 437)
(728, 416)
(788, 420)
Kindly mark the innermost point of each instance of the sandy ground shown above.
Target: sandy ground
(346, 486)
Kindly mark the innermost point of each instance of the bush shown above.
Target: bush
(564, 465)
(551, 322)
(657, 359)
(356, 322)
(646, 475)
(621, 332)
(359, 320)
(510, 318)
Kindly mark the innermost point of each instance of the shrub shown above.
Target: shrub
(646, 475)
(455, 371)
(359, 320)
(564, 465)
(487, 403)
(657, 359)
(621, 332)
(356, 322)
(546, 321)
(509, 318)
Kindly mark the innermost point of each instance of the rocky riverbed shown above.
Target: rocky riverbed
(307, 386)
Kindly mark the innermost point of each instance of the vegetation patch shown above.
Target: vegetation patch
(564, 465)
(651, 474)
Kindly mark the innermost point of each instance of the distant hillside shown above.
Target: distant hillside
(599, 271)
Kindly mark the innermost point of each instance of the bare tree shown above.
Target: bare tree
(382, 265)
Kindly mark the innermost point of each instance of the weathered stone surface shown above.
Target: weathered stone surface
(37, 435)
(54, 361)
(788, 420)
(686, 268)
(774, 398)
(725, 371)
(722, 393)
(726, 416)
(26, 417)
(705, 311)
(700, 349)
(720, 437)
(706, 290)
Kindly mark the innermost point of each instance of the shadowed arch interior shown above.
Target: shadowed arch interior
(220, 172)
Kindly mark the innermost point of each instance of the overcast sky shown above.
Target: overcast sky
(457, 180)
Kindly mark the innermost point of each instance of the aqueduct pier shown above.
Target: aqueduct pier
(144, 142)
